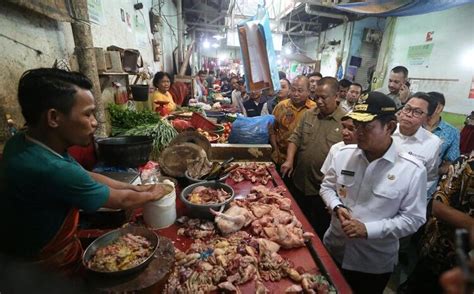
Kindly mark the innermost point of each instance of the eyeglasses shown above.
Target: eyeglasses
(366, 127)
(416, 112)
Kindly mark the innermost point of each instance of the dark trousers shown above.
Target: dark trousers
(423, 279)
(313, 208)
(365, 283)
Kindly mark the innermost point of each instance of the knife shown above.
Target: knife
(317, 260)
(216, 173)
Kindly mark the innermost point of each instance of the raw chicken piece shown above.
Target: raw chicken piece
(248, 273)
(284, 203)
(288, 236)
(265, 245)
(260, 287)
(282, 217)
(294, 289)
(199, 189)
(228, 286)
(307, 235)
(308, 284)
(232, 220)
(260, 210)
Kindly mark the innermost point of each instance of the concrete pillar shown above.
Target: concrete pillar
(179, 8)
(86, 58)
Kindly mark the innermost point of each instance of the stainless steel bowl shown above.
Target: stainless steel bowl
(202, 210)
(111, 237)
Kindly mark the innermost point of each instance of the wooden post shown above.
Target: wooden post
(86, 58)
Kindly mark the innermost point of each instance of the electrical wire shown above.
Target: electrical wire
(161, 3)
(146, 31)
(238, 7)
(39, 52)
(288, 33)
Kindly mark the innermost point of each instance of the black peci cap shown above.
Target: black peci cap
(371, 106)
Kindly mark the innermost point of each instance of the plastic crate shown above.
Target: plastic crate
(200, 122)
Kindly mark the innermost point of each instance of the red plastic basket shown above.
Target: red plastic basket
(199, 121)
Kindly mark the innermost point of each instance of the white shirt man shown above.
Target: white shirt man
(352, 96)
(425, 147)
(417, 141)
(377, 195)
(238, 101)
(382, 194)
(348, 137)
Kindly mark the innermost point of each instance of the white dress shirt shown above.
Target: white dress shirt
(346, 106)
(386, 195)
(425, 147)
(265, 109)
(238, 102)
(332, 152)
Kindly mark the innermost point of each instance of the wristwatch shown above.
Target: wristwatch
(339, 206)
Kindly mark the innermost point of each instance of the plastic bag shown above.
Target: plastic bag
(251, 130)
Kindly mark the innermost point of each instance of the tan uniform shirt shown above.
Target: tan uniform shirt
(314, 137)
(287, 117)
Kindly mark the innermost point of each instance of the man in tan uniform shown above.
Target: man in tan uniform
(308, 147)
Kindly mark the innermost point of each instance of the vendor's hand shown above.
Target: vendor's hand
(158, 191)
(444, 167)
(453, 281)
(141, 188)
(343, 214)
(404, 92)
(354, 229)
(286, 168)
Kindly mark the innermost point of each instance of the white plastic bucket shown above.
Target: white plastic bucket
(161, 213)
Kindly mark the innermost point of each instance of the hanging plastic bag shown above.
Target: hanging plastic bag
(251, 130)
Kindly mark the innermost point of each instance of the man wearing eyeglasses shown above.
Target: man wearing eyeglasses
(424, 146)
(416, 140)
(377, 195)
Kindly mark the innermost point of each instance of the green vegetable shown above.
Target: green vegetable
(162, 133)
(123, 119)
(189, 109)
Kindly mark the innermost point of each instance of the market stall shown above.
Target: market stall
(300, 257)
(261, 240)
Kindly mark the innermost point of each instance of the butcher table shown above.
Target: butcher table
(301, 257)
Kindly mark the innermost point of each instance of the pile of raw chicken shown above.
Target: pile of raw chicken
(205, 195)
(126, 252)
(223, 263)
(257, 173)
(252, 231)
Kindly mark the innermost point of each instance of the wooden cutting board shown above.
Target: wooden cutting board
(173, 160)
(192, 137)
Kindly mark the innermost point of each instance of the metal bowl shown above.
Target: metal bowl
(111, 237)
(202, 210)
(194, 180)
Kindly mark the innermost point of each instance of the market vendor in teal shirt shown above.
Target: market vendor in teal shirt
(42, 187)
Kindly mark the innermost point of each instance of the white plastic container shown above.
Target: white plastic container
(161, 213)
